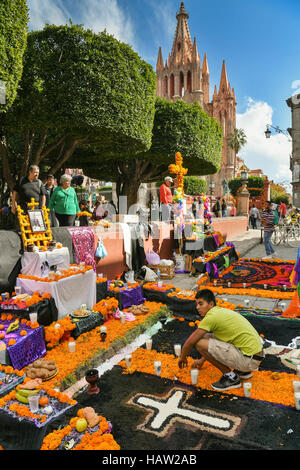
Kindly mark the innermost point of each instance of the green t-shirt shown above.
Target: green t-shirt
(231, 327)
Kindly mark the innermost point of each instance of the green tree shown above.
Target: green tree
(236, 141)
(13, 35)
(253, 183)
(77, 87)
(178, 127)
(278, 193)
(194, 186)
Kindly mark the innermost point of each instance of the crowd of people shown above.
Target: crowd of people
(60, 199)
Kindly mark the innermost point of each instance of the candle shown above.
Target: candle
(72, 346)
(128, 360)
(157, 366)
(229, 284)
(194, 376)
(103, 332)
(247, 389)
(33, 317)
(149, 343)
(244, 285)
(122, 317)
(177, 349)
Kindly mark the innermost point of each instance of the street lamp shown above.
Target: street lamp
(244, 176)
(268, 133)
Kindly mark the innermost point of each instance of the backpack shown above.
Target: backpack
(275, 218)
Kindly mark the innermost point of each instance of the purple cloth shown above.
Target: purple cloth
(230, 244)
(131, 297)
(27, 349)
(83, 239)
(216, 237)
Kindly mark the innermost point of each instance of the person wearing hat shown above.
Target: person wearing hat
(166, 198)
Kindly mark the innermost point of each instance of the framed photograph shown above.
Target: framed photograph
(37, 222)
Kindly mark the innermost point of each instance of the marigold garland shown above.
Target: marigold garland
(56, 277)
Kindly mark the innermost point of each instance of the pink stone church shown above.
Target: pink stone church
(183, 76)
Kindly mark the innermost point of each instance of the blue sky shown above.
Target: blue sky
(259, 40)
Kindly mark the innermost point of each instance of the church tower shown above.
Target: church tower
(180, 77)
(183, 77)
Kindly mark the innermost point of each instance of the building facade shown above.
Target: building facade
(294, 131)
(183, 76)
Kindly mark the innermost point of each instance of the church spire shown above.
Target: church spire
(205, 69)
(224, 81)
(182, 49)
(160, 62)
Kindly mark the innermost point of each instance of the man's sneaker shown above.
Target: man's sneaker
(275, 254)
(267, 257)
(243, 375)
(225, 383)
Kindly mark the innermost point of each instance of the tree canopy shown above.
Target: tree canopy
(255, 185)
(13, 36)
(178, 127)
(78, 87)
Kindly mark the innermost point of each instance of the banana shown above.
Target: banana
(13, 326)
(21, 398)
(26, 393)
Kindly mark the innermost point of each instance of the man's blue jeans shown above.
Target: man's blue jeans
(268, 245)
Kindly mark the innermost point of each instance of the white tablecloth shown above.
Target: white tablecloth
(32, 263)
(69, 293)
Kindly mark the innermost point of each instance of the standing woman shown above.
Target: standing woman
(64, 202)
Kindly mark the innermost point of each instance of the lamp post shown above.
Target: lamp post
(277, 129)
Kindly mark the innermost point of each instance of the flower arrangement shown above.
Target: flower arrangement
(58, 330)
(24, 302)
(154, 286)
(106, 306)
(84, 213)
(99, 439)
(65, 273)
(23, 410)
(178, 192)
(100, 280)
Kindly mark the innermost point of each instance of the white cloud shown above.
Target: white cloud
(272, 155)
(46, 11)
(93, 14)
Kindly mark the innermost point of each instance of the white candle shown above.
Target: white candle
(297, 400)
(122, 317)
(128, 360)
(177, 349)
(296, 385)
(244, 285)
(72, 346)
(149, 343)
(284, 287)
(265, 286)
(157, 366)
(194, 376)
(247, 389)
(247, 302)
(33, 317)
(229, 284)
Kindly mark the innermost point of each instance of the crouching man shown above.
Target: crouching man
(226, 339)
